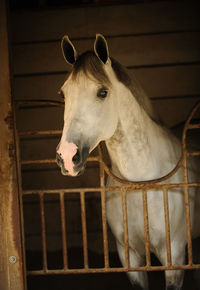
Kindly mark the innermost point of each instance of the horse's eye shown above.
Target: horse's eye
(102, 93)
(61, 94)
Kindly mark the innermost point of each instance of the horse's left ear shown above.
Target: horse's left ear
(69, 52)
(101, 48)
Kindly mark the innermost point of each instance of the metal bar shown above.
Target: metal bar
(43, 232)
(21, 103)
(103, 210)
(188, 226)
(193, 154)
(114, 270)
(146, 228)
(104, 229)
(143, 184)
(101, 168)
(39, 133)
(50, 161)
(186, 199)
(194, 126)
(41, 161)
(84, 229)
(125, 228)
(109, 188)
(167, 227)
(64, 233)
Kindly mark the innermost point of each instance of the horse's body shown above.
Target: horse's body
(102, 103)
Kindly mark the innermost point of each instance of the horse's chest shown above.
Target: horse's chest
(115, 217)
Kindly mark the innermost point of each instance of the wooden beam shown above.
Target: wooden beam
(11, 262)
(133, 51)
(112, 20)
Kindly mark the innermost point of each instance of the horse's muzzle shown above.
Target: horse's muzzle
(79, 161)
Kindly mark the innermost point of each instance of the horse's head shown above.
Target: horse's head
(90, 104)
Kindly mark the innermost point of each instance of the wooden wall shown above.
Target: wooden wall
(158, 41)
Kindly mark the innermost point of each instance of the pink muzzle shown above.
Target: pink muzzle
(67, 151)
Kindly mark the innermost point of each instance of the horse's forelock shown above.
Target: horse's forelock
(91, 66)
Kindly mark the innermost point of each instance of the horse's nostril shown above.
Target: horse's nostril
(59, 159)
(60, 163)
(76, 158)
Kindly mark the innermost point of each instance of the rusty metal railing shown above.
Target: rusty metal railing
(124, 187)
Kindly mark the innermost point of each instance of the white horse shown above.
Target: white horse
(103, 103)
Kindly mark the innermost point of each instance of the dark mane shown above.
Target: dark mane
(91, 65)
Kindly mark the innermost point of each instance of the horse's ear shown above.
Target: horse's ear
(101, 48)
(69, 52)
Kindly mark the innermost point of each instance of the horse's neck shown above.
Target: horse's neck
(140, 149)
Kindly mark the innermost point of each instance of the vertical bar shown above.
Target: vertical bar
(146, 227)
(43, 230)
(125, 227)
(167, 226)
(187, 209)
(102, 173)
(84, 229)
(64, 233)
(103, 211)
(188, 226)
(104, 228)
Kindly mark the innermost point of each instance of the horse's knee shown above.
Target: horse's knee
(137, 287)
(139, 280)
(174, 279)
(172, 287)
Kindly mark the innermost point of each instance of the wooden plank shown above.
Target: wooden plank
(130, 51)
(174, 111)
(157, 82)
(11, 260)
(40, 119)
(175, 81)
(50, 177)
(109, 20)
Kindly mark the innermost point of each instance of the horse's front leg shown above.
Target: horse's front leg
(138, 279)
(174, 278)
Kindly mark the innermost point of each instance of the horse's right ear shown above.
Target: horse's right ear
(68, 50)
(101, 48)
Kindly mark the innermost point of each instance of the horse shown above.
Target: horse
(103, 102)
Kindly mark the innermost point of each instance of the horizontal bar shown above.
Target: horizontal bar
(39, 133)
(193, 126)
(114, 269)
(40, 161)
(52, 161)
(40, 102)
(197, 153)
(114, 188)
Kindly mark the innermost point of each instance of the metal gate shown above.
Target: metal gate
(125, 186)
